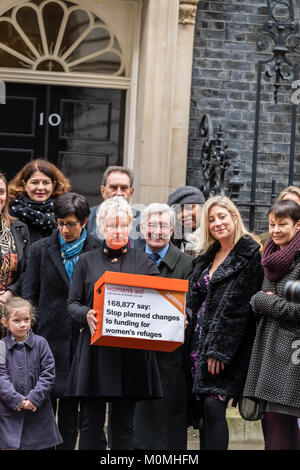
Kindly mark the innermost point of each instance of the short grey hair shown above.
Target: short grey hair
(157, 208)
(112, 207)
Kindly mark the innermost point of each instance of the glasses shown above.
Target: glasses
(163, 227)
(69, 225)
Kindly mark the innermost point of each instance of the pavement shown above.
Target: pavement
(243, 435)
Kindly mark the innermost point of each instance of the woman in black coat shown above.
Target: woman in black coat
(14, 240)
(46, 284)
(100, 373)
(226, 274)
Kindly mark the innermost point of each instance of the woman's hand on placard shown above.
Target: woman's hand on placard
(214, 366)
(91, 320)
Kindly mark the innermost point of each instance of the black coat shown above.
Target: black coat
(102, 371)
(47, 285)
(162, 424)
(229, 324)
(20, 234)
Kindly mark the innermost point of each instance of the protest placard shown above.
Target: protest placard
(141, 312)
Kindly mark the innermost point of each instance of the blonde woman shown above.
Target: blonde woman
(227, 272)
(291, 192)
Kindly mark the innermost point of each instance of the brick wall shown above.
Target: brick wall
(224, 85)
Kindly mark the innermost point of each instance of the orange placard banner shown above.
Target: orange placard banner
(141, 312)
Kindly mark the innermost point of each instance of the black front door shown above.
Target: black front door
(80, 130)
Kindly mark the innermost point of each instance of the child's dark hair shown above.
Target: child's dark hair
(286, 208)
(15, 303)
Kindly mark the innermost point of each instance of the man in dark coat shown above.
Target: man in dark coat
(162, 424)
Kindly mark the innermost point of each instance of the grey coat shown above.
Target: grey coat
(26, 370)
(274, 370)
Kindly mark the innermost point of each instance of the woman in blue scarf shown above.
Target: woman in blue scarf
(46, 284)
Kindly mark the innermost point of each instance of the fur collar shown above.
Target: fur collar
(238, 257)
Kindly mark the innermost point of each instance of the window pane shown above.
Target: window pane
(79, 47)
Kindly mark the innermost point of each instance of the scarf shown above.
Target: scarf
(38, 214)
(70, 252)
(276, 262)
(9, 258)
(112, 253)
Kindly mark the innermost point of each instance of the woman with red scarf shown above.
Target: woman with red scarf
(273, 374)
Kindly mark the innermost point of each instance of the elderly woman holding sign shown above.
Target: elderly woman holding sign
(101, 373)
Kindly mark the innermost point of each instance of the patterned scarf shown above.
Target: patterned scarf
(9, 258)
(38, 214)
(70, 252)
(276, 262)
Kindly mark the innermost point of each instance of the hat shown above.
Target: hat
(186, 195)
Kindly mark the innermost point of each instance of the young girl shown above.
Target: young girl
(27, 373)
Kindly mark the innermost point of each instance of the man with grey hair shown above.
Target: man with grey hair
(116, 181)
(162, 424)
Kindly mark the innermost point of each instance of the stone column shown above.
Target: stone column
(164, 84)
(182, 93)
(155, 99)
